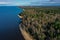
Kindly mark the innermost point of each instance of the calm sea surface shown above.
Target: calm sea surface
(9, 23)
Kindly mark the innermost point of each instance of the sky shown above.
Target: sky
(29, 2)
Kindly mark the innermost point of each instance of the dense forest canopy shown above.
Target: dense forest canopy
(42, 23)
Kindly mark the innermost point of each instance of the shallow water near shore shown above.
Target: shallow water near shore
(9, 23)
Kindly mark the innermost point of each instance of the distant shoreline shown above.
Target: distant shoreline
(39, 6)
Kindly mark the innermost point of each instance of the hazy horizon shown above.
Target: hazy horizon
(29, 2)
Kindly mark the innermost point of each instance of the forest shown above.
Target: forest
(41, 23)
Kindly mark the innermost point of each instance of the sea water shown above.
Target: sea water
(9, 23)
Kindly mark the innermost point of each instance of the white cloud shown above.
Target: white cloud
(5, 2)
(27, 3)
(21, 3)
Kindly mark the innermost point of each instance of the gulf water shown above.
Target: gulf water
(9, 23)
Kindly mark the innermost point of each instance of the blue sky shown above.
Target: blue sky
(29, 2)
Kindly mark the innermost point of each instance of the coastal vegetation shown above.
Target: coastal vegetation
(41, 23)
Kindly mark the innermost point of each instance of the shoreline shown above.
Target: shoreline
(38, 21)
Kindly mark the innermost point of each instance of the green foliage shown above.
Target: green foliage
(43, 29)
